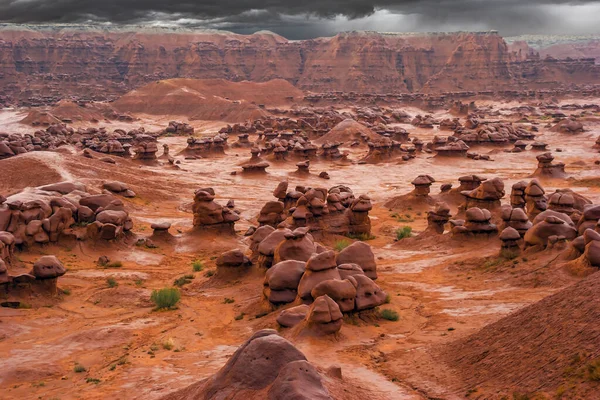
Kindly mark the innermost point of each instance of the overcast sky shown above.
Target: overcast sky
(300, 19)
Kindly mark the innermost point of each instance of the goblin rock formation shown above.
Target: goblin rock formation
(210, 216)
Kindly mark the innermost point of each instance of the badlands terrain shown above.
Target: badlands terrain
(360, 217)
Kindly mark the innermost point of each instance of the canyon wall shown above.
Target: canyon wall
(43, 64)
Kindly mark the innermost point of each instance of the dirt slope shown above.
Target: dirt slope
(551, 346)
(208, 99)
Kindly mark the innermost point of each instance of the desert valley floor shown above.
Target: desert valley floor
(473, 320)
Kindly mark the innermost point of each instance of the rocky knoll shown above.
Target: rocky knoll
(94, 63)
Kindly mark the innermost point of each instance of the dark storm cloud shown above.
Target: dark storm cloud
(306, 18)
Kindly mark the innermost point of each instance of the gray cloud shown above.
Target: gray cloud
(310, 18)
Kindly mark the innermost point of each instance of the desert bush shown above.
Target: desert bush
(197, 266)
(390, 315)
(168, 344)
(341, 245)
(166, 298)
(404, 232)
(78, 368)
(183, 280)
(111, 282)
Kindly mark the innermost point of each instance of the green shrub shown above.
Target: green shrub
(228, 300)
(197, 266)
(66, 291)
(341, 244)
(361, 236)
(166, 298)
(111, 282)
(114, 264)
(93, 380)
(390, 315)
(404, 232)
(239, 317)
(208, 274)
(168, 344)
(78, 368)
(183, 280)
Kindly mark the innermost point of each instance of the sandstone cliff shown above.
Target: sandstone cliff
(41, 65)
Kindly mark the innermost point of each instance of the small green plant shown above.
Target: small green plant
(341, 245)
(390, 315)
(168, 344)
(114, 264)
(183, 280)
(388, 299)
(404, 232)
(122, 361)
(166, 298)
(111, 282)
(139, 282)
(78, 368)
(66, 291)
(363, 237)
(38, 384)
(93, 380)
(197, 266)
(154, 347)
(228, 300)
(492, 263)
(112, 367)
(239, 317)
(24, 305)
(210, 273)
(403, 218)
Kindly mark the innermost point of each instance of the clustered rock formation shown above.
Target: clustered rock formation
(303, 271)
(210, 216)
(51, 211)
(548, 169)
(335, 211)
(42, 278)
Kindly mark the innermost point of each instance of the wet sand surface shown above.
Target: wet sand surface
(441, 289)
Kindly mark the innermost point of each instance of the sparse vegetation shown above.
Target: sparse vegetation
(183, 280)
(197, 266)
(166, 298)
(390, 315)
(363, 237)
(228, 300)
(403, 218)
(403, 233)
(388, 299)
(78, 368)
(114, 264)
(210, 273)
(168, 344)
(66, 291)
(239, 317)
(341, 244)
(93, 380)
(111, 282)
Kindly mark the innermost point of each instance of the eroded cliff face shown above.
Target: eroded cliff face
(44, 65)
